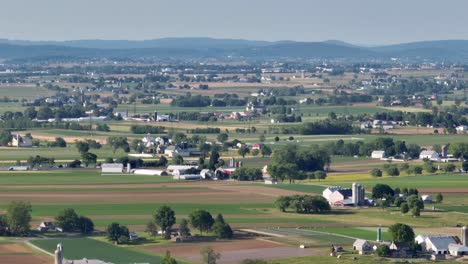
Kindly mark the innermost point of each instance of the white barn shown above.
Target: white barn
(112, 168)
(378, 154)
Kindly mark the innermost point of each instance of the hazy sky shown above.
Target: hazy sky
(356, 21)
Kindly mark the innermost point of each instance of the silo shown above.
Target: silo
(464, 236)
(379, 234)
(355, 194)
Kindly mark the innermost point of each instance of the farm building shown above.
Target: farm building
(341, 197)
(188, 177)
(430, 155)
(21, 142)
(362, 246)
(378, 154)
(457, 250)
(112, 168)
(328, 191)
(172, 168)
(437, 244)
(150, 172)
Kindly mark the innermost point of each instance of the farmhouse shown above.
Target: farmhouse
(111, 168)
(148, 141)
(400, 250)
(21, 142)
(427, 199)
(430, 155)
(173, 151)
(378, 154)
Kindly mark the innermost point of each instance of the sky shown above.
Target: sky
(369, 22)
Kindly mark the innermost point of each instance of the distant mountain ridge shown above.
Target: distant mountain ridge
(219, 48)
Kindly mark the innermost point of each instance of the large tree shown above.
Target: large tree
(202, 220)
(222, 229)
(292, 163)
(117, 142)
(165, 219)
(401, 233)
(382, 190)
(67, 219)
(18, 218)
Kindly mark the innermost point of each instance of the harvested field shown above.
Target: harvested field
(20, 254)
(233, 251)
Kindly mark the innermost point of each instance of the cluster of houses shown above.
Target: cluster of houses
(439, 246)
(188, 171)
(424, 155)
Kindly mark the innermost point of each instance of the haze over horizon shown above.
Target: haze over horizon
(364, 22)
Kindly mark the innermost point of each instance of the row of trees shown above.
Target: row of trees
(303, 204)
(165, 219)
(293, 163)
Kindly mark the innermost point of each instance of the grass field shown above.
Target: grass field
(79, 248)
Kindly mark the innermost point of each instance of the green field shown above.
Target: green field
(308, 188)
(149, 208)
(87, 177)
(362, 233)
(423, 181)
(79, 248)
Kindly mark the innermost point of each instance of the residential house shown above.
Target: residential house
(148, 141)
(362, 246)
(427, 199)
(173, 151)
(378, 154)
(461, 129)
(21, 142)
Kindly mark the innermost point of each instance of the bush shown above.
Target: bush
(449, 167)
(393, 171)
(404, 208)
(375, 172)
(383, 251)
